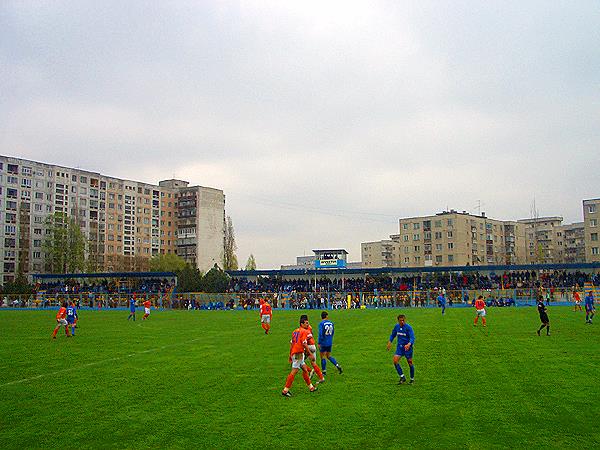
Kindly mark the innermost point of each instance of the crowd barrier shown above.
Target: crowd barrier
(297, 300)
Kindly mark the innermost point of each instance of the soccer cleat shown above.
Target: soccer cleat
(321, 381)
(340, 370)
(286, 394)
(412, 380)
(402, 380)
(538, 332)
(547, 334)
(314, 388)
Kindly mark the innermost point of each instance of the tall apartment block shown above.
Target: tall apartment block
(125, 222)
(591, 217)
(449, 238)
(544, 239)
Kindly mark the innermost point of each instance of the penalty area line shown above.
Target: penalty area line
(96, 363)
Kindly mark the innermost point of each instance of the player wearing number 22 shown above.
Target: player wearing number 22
(326, 331)
(405, 341)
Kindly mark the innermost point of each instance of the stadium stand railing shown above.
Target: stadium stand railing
(296, 300)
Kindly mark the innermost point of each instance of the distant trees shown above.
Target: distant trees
(251, 263)
(168, 262)
(230, 261)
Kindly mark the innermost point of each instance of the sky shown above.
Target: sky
(324, 122)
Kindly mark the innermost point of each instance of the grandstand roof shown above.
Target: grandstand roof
(415, 270)
(61, 276)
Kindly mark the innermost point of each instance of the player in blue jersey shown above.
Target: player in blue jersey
(326, 342)
(589, 307)
(404, 347)
(131, 309)
(72, 317)
(442, 302)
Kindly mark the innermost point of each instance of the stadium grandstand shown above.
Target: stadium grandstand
(312, 288)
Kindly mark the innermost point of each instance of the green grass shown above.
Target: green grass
(213, 380)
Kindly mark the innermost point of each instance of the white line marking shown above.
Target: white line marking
(24, 380)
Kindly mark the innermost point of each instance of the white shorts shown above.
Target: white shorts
(312, 348)
(481, 312)
(297, 360)
(62, 322)
(265, 318)
(147, 310)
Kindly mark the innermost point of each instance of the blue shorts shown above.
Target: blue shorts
(132, 311)
(71, 320)
(325, 348)
(401, 352)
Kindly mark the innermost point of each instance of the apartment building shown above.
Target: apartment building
(125, 222)
(571, 243)
(385, 253)
(591, 217)
(453, 238)
(544, 239)
(449, 238)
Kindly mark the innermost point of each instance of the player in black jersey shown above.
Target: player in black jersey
(543, 316)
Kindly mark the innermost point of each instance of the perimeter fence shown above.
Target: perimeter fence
(297, 300)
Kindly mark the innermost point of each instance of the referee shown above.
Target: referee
(543, 316)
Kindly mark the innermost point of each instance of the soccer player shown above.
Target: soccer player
(61, 321)
(312, 348)
(326, 342)
(72, 317)
(442, 302)
(543, 316)
(589, 307)
(131, 309)
(298, 346)
(266, 313)
(577, 299)
(480, 307)
(404, 347)
(147, 306)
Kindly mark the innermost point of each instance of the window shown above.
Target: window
(438, 259)
(593, 222)
(594, 250)
(405, 238)
(416, 226)
(437, 224)
(438, 247)
(591, 209)
(438, 234)
(450, 258)
(26, 182)
(416, 237)
(417, 248)
(450, 222)
(450, 245)
(10, 229)
(12, 180)
(450, 234)
(594, 236)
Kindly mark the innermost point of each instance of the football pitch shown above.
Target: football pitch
(212, 379)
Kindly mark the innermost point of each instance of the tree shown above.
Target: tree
(168, 262)
(251, 263)
(64, 245)
(229, 259)
(189, 279)
(215, 280)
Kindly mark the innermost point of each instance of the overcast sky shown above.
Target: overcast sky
(323, 122)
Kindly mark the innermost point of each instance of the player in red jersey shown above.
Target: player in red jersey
(61, 321)
(266, 313)
(298, 347)
(312, 352)
(480, 307)
(147, 306)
